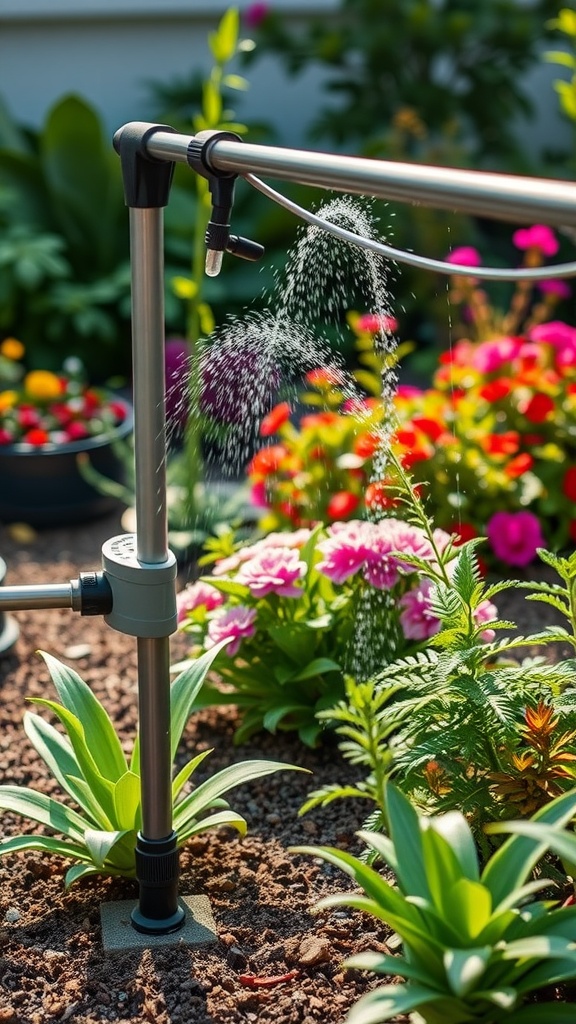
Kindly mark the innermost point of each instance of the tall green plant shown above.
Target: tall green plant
(475, 946)
(90, 766)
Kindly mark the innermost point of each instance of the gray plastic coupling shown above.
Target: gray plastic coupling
(143, 593)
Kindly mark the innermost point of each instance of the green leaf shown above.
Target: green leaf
(235, 775)
(126, 797)
(56, 751)
(15, 844)
(78, 871)
(44, 810)
(272, 718)
(513, 861)
(99, 844)
(185, 772)
(223, 42)
(455, 830)
(217, 820)
(101, 788)
(389, 1001)
(563, 844)
(101, 737)
(317, 668)
(295, 640)
(465, 968)
(404, 829)
(236, 82)
(550, 1013)
(185, 689)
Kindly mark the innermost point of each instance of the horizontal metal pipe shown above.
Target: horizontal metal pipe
(49, 595)
(481, 193)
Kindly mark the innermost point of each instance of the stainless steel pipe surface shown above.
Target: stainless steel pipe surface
(48, 595)
(482, 193)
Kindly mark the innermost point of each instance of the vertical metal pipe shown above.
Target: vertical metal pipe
(146, 243)
(146, 240)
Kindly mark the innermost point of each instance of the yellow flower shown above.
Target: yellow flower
(42, 385)
(8, 399)
(11, 348)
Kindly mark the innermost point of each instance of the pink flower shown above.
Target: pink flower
(490, 355)
(465, 255)
(374, 322)
(345, 551)
(254, 14)
(554, 332)
(537, 237)
(515, 536)
(417, 619)
(197, 594)
(273, 571)
(258, 495)
(234, 623)
(381, 568)
(486, 612)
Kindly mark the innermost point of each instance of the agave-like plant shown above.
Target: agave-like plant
(90, 765)
(474, 943)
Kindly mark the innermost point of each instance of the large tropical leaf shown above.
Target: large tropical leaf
(43, 809)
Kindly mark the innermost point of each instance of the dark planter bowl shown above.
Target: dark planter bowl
(46, 488)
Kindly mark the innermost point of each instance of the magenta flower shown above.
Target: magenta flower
(555, 286)
(515, 536)
(254, 14)
(345, 551)
(465, 255)
(197, 594)
(235, 623)
(417, 619)
(537, 237)
(554, 332)
(273, 571)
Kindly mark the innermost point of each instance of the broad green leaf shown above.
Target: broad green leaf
(185, 772)
(382, 963)
(184, 691)
(543, 1013)
(383, 846)
(443, 869)
(101, 737)
(229, 587)
(99, 844)
(43, 809)
(56, 751)
(456, 831)
(101, 788)
(465, 968)
(217, 820)
(404, 829)
(127, 802)
(510, 865)
(223, 42)
(272, 718)
(471, 908)
(295, 640)
(235, 775)
(539, 947)
(317, 668)
(387, 1002)
(78, 871)
(563, 844)
(15, 844)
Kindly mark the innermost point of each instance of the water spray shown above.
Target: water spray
(135, 590)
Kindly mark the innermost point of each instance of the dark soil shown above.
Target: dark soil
(52, 963)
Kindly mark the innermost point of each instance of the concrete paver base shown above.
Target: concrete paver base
(118, 935)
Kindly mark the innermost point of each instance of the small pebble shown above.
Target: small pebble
(76, 651)
(12, 915)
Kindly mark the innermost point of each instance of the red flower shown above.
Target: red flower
(36, 436)
(275, 418)
(538, 408)
(519, 465)
(28, 417)
(377, 496)
(323, 376)
(267, 460)
(506, 443)
(495, 390)
(76, 431)
(319, 419)
(367, 444)
(569, 483)
(342, 504)
(464, 532)
(5, 436)
(428, 426)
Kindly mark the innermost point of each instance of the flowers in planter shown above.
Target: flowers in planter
(41, 409)
(302, 608)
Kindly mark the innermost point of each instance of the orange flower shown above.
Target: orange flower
(366, 445)
(377, 495)
(11, 348)
(519, 465)
(42, 385)
(506, 443)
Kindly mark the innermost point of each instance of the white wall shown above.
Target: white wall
(106, 50)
